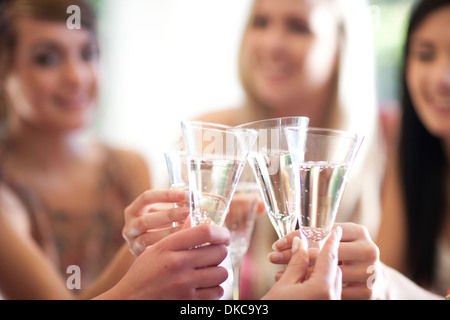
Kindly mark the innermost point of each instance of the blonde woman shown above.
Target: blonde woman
(314, 59)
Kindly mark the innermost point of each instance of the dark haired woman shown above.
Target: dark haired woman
(415, 232)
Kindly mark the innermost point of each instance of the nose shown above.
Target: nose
(275, 40)
(442, 75)
(73, 73)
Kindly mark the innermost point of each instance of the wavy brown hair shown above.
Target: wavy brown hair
(49, 10)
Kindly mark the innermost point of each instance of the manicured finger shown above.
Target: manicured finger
(214, 293)
(356, 244)
(280, 257)
(153, 236)
(156, 220)
(209, 277)
(327, 260)
(363, 251)
(356, 291)
(154, 196)
(298, 265)
(355, 272)
(352, 231)
(207, 255)
(286, 241)
(196, 236)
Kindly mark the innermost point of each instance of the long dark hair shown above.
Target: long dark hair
(422, 168)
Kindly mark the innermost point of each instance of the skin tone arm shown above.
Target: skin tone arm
(24, 263)
(25, 271)
(179, 272)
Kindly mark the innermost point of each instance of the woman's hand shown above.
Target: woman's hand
(358, 258)
(323, 281)
(178, 267)
(149, 218)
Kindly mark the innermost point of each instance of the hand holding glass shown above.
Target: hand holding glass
(321, 162)
(271, 164)
(216, 155)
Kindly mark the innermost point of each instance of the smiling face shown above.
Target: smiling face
(290, 51)
(428, 72)
(52, 83)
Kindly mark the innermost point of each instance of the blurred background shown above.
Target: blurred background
(166, 61)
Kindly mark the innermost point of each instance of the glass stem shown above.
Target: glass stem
(236, 269)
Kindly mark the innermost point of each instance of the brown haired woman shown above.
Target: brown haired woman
(62, 191)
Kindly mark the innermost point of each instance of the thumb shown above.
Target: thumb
(327, 260)
(298, 265)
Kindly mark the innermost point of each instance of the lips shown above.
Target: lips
(442, 103)
(72, 103)
(276, 70)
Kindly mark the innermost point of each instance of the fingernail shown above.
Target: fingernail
(338, 230)
(275, 256)
(295, 244)
(279, 244)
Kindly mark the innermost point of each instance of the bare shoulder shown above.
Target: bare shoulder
(135, 165)
(13, 211)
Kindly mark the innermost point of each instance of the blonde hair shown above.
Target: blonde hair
(353, 107)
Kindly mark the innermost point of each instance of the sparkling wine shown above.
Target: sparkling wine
(241, 218)
(182, 187)
(212, 185)
(275, 178)
(322, 185)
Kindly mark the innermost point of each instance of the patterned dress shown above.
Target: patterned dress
(88, 239)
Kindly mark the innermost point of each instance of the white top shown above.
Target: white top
(442, 268)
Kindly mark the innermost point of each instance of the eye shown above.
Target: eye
(46, 59)
(89, 53)
(260, 21)
(423, 50)
(298, 26)
(423, 54)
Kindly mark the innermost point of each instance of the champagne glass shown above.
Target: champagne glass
(216, 155)
(240, 221)
(321, 161)
(271, 164)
